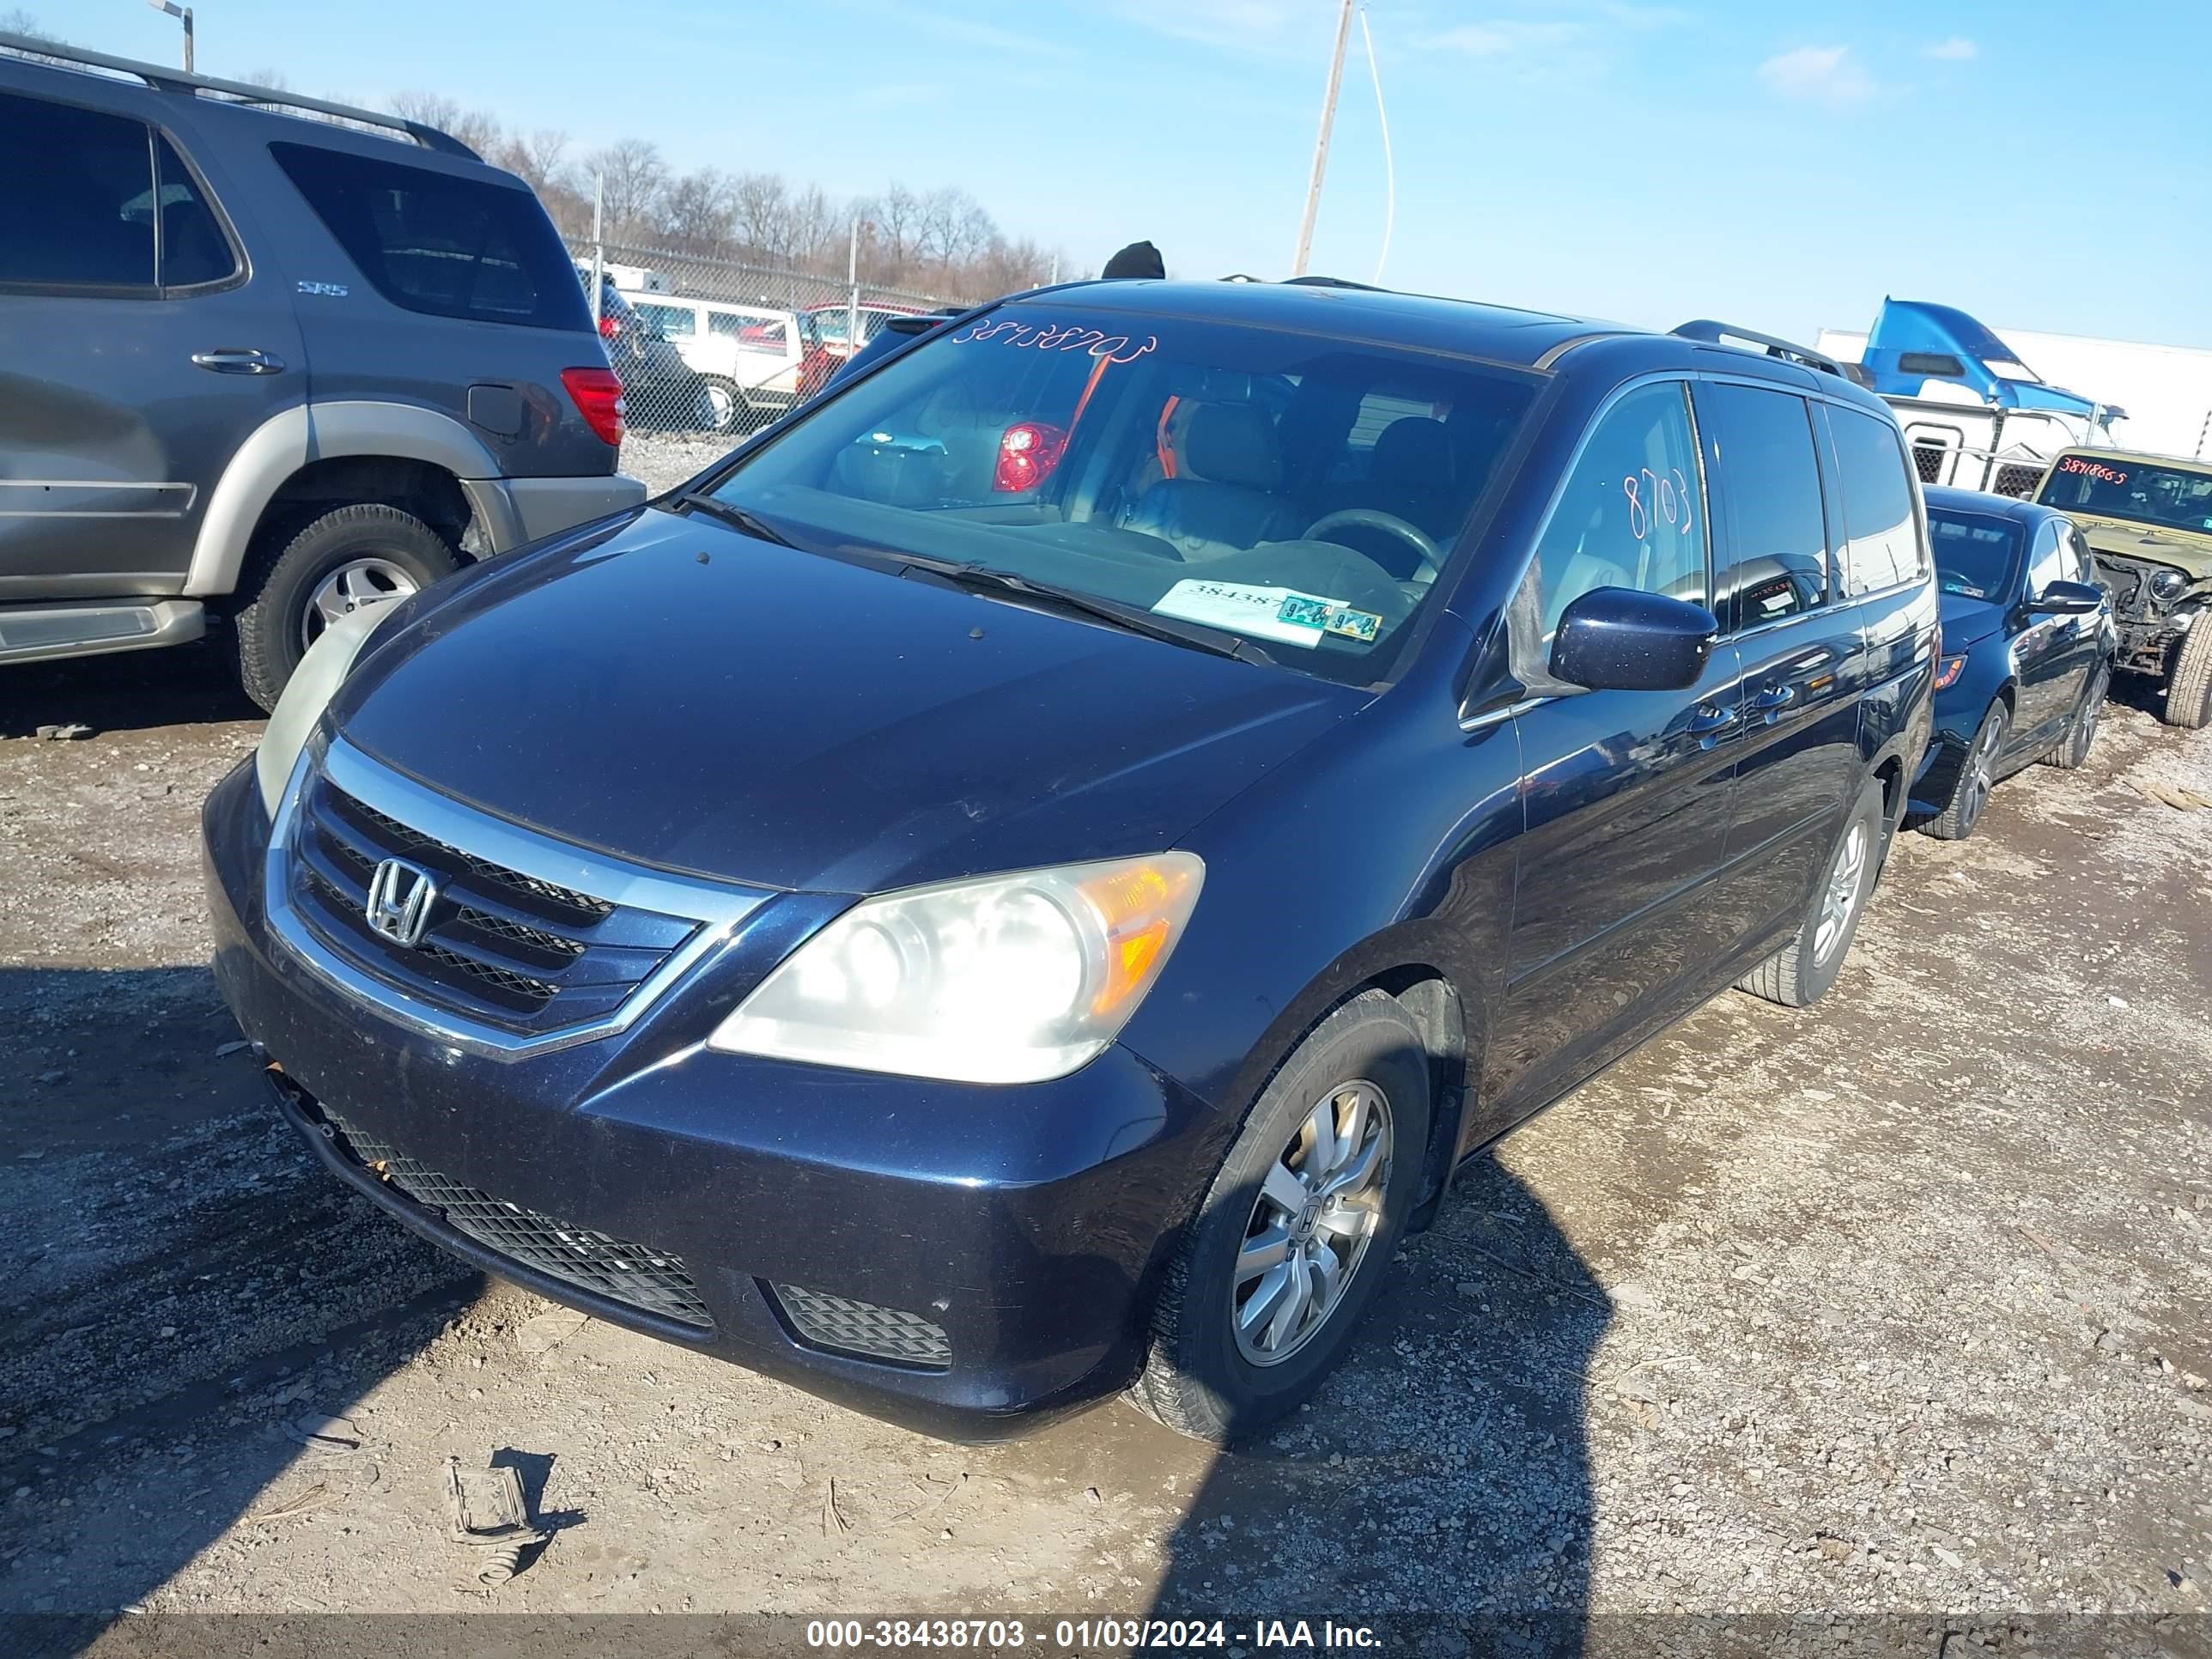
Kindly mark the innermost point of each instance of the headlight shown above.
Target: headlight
(2167, 585)
(306, 694)
(1949, 671)
(1008, 979)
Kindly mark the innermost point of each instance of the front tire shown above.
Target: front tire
(1800, 972)
(2189, 688)
(1978, 776)
(357, 556)
(1296, 1231)
(2072, 751)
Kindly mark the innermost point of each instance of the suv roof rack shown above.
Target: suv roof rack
(177, 80)
(1713, 333)
(1332, 282)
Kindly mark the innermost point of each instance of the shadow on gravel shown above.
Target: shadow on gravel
(127, 691)
(1443, 1471)
(189, 1298)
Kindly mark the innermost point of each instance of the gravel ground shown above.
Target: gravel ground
(666, 460)
(1902, 1302)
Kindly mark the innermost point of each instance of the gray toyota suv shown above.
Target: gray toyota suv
(268, 360)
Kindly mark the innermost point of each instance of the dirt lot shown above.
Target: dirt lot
(1905, 1303)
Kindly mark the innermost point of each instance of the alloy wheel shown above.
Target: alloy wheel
(1320, 1206)
(2085, 730)
(1981, 774)
(1841, 895)
(721, 407)
(352, 587)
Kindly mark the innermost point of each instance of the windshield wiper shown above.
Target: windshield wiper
(737, 518)
(1127, 618)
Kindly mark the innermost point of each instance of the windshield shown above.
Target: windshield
(1301, 492)
(2120, 488)
(1975, 552)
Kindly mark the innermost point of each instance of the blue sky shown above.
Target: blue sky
(2044, 164)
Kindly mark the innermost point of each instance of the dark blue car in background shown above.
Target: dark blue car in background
(1024, 882)
(2028, 639)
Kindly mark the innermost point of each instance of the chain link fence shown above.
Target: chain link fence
(720, 347)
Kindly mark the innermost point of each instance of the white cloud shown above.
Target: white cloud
(1820, 75)
(1504, 37)
(1957, 50)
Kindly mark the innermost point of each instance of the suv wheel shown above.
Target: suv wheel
(2188, 690)
(722, 405)
(1801, 971)
(2073, 750)
(346, 559)
(1296, 1231)
(1977, 775)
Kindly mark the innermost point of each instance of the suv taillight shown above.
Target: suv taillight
(609, 325)
(598, 396)
(1028, 452)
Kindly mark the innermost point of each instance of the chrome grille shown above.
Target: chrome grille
(500, 946)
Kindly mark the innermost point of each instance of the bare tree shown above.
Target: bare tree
(275, 80)
(16, 20)
(477, 129)
(539, 158)
(696, 215)
(633, 176)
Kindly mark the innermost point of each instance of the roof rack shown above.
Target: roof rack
(177, 80)
(1331, 282)
(1713, 333)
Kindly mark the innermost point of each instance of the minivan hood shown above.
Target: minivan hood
(693, 698)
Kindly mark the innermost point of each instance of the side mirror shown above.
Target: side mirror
(1621, 639)
(2068, 599)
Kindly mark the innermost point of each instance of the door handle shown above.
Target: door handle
(1709, 725)
(239, 360)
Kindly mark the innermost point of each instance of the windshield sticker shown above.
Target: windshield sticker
(2094, 469)
(1049, 337)
(1964, 591)
(1268, 613)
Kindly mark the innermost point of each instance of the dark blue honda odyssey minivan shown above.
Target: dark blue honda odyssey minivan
(1023, 882)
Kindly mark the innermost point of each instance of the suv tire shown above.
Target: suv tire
(2189, 688)
(354, 555)
(2072, 751)
(725, 406)
(1801, 971)
(1208, 1375)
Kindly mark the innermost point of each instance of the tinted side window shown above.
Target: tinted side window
(194, 250)
(1633, 512)
(440, 245)
(1883, 548)
(2050, 560)
(65, 218)
(674, 322)
(2081, 566)
(1774, 561)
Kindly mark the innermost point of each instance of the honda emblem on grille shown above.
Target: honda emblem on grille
(400, 896)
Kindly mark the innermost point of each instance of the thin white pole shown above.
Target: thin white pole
(853, 305)
(598, 243)
(1321, 144)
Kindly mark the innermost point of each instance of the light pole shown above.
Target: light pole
(1321, 144)
(184, 15)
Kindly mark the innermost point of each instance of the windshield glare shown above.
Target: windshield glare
(1301, 492)
(2120, 488)
(1974, 552)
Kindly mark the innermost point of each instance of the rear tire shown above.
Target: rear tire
(370, 553)
(2073, 750)
(1225, 1365)
(1800, 972)
(2188, 688)
(725, 406)
(1978, 776)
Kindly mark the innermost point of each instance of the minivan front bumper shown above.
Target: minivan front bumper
(960, 1259)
